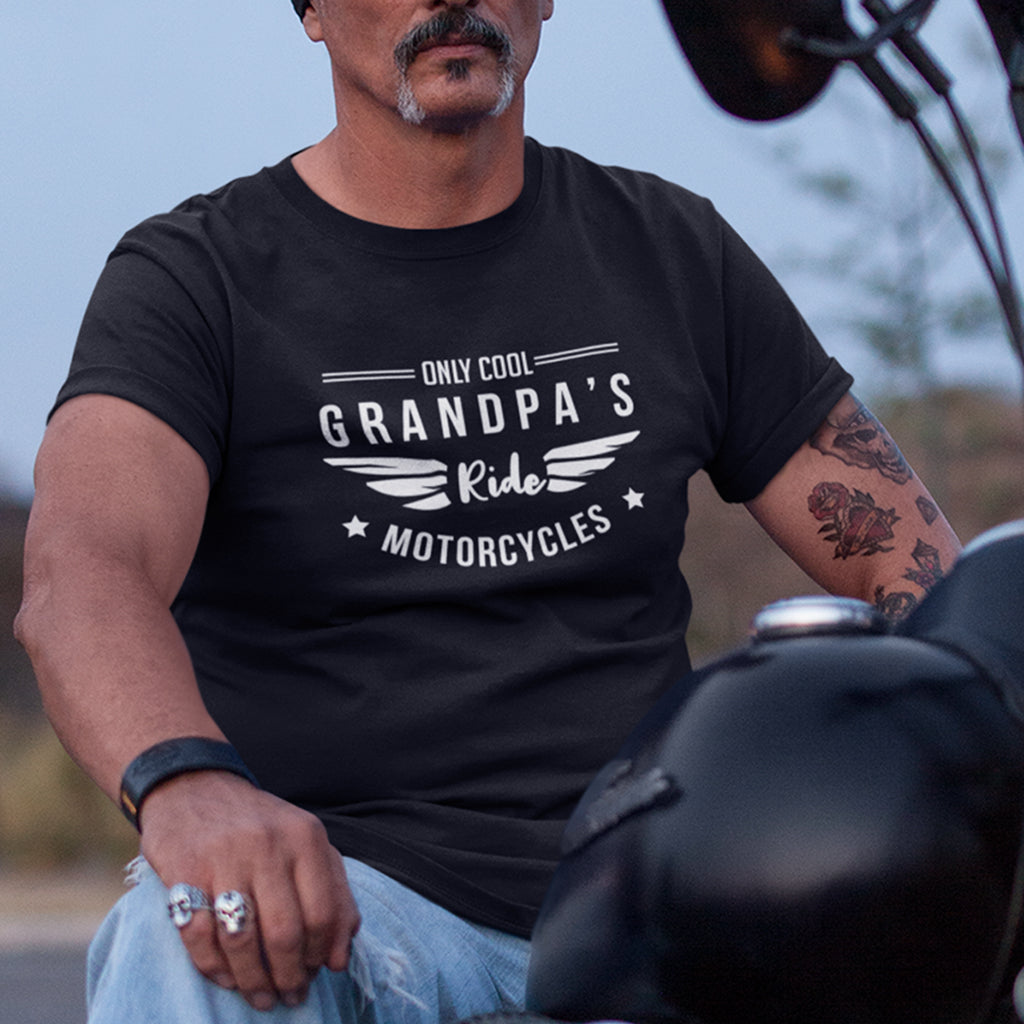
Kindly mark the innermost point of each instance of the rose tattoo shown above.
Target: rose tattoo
(853, 522)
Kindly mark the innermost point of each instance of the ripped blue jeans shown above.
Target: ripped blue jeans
(412, 963)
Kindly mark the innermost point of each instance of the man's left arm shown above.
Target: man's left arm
(849, 510)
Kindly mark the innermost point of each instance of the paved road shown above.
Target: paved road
(42, 986)
(46, 921)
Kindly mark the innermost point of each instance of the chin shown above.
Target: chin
(458, 103)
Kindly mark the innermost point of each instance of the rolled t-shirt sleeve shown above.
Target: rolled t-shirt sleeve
(779, 382)
(149, 339)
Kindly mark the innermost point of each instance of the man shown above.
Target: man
(368, 483)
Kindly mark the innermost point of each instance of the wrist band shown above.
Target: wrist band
(165, 760)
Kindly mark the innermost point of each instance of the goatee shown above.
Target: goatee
(465, 27)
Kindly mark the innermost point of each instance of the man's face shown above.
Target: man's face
(443, 64)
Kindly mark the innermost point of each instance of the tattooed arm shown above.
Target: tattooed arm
(849, 510)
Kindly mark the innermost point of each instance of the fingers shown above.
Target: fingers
(201, 941)
(330, 914)
(249, 959)
(273, 950)
(231, 960)
(300, 915)
(308, 923)
(283, 934)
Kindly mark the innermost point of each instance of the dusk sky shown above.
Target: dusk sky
(115, 111)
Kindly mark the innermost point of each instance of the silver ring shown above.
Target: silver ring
(233, 910)
(183, 900)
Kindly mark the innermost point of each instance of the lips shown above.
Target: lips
(454, 41)
(451, 28)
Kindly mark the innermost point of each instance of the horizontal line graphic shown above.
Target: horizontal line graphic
(349, 376)
(576, 353)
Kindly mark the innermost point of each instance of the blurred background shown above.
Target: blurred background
(115, 111)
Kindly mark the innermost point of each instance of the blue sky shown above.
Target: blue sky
(115, 111)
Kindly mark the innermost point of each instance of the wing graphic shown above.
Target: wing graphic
(566, 465)
(422, 480)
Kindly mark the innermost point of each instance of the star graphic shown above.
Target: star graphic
(356, 527)
(633, 499)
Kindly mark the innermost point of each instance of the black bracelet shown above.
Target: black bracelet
(175, 757)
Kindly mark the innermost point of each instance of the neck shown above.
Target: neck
(417, 176)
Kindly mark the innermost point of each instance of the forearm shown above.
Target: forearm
(893, 563)
(851, 512)
(111, 664)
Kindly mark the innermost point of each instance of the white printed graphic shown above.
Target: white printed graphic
(425, 482)
(361, 376)
(356, 527)
(567, 464)
(607, 349)
(503, 366)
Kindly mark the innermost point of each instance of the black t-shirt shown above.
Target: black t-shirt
(438, 582)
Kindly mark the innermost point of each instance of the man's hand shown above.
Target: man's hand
(216, 831)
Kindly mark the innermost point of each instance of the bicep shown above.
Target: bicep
(116, 485)
(852, 513)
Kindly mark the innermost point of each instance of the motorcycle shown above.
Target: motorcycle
(825, 826)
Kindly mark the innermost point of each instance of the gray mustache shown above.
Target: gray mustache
(467, 26)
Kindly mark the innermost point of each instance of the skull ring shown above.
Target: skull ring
(183, 900)
(232, 909)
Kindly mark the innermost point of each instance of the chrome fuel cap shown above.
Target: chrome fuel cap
(820, 615)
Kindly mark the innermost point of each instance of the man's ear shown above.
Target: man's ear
(548, 9)
(311, 22)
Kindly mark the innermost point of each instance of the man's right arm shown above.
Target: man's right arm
(119, 507)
